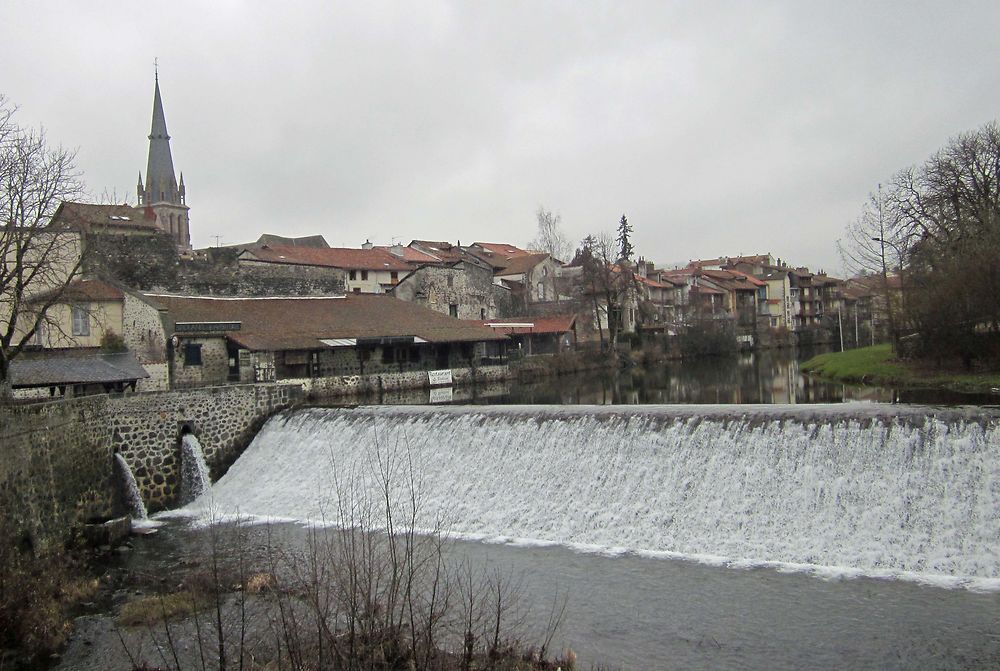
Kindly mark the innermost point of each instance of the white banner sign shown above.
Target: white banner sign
(440, 395)
(438, 378)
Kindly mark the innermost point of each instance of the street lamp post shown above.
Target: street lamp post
(893, 334)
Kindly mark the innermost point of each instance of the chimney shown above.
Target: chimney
(395, 250)
(367, 245)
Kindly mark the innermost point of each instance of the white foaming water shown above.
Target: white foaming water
(194, 470)
(137, 508)
(837, 490)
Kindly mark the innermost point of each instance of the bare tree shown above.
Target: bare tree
(37, 263)
(608, 284)
(550, 237)
(875, 243)
(939, 223)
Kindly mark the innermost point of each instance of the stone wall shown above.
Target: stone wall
(355, 385)
(145, 428)
(210, 368)
(466, 286)
(55, 470)
(56, 458)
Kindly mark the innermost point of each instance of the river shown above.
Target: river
(858, 535)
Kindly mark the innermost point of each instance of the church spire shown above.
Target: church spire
(161, 184)
(161, 193)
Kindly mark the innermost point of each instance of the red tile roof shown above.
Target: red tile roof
(412, 256)
(89, 216)
(270, 324)
(503, 249)
(521, 264)
(84, 290)
(376, 258)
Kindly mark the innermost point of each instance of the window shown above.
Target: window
(354, 275)
(192, 354)
(482, 313)
(451, 281)
(394, 276)
(357, 290)
(364, 275)
(453, 310)
(81, 320)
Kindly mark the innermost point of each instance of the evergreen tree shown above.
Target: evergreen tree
(624, 243)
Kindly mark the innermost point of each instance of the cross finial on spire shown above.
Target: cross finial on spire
(156, 69)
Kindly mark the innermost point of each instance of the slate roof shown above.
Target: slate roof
(556, 324)
(316, 241)
(74, 366)
(271, 324)
(331, 257)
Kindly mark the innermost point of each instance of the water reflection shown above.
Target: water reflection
(769, 376)
(755, 377)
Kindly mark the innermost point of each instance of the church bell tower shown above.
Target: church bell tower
(161, 192)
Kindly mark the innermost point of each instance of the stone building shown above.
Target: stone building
(215, 340)
(369, 270)
(532, 277)
(462, 289)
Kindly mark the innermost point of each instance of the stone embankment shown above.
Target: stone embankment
(56, 458)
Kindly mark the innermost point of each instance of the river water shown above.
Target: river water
(823, 536)
(836, 536)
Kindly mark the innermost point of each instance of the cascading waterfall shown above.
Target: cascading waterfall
(194, 470)
(137, 509)
(857, 489)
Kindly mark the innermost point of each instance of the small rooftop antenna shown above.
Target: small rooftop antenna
(218, 240)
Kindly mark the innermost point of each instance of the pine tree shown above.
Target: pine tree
(624, 243)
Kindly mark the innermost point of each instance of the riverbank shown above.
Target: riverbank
(878, 366)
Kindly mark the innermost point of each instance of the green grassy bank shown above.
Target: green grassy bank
(877, 366)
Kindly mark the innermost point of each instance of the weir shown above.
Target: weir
(859, 489)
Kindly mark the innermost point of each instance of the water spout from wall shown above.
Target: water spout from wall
(194, 470)
(133, 497)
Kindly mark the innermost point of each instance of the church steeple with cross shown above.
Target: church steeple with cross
(161, 192)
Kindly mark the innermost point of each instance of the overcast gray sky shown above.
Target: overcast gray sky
(720, 128)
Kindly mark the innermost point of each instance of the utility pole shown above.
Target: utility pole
(840, 324)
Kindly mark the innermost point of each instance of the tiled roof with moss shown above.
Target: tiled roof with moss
(270, 324)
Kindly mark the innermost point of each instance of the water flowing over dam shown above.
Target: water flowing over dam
(858, 489)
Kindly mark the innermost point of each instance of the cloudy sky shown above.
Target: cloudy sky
(719, 128)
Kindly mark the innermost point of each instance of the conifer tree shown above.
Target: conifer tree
(626, 251)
